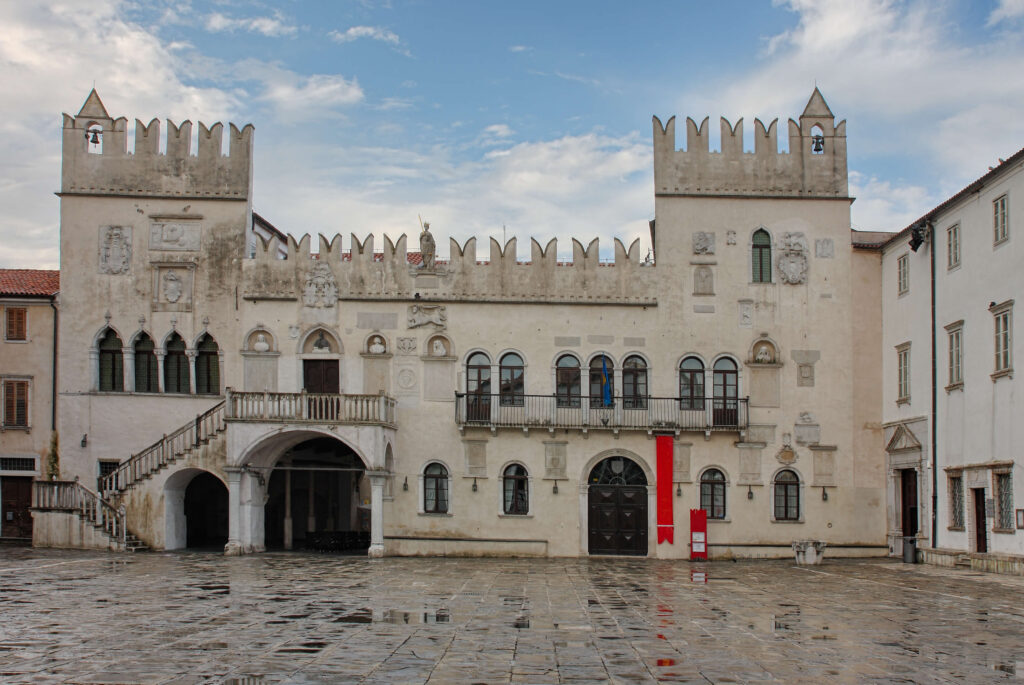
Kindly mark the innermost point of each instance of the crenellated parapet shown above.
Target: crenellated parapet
(361, 273)
(815, 165)
(96, 159)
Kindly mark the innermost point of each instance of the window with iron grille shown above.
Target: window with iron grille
(15, 404)
(1004, 491)
(903, 274)
(17, 464)
(17, 324)
(956, 501)
(1000, 225)
(106, 467)
(953, 246)
(761, 257)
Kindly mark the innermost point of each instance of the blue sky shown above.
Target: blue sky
(531, 115)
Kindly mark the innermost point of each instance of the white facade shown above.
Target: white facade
(978, 425)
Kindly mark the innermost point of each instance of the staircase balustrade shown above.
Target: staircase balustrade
(303, 407)
(71, 495)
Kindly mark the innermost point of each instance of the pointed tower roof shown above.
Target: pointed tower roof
(816, 106)
(93, 107)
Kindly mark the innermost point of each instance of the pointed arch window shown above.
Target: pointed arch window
(176, 376)
(512, 372)
(145, 365)
(207, 366)
(691, 384)
(602, 381)
(761, 257)
(516, 491)
(634, 383)
(567, 381)
(111, 363)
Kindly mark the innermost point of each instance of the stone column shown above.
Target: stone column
(129, 368)
(234, 545)
(191, 356)
(159, 370)
(377, 514)
(288, 533)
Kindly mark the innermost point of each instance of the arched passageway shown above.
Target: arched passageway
(318, 498)
(617, 507)
(206, 512)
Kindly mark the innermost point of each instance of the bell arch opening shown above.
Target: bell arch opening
(318, 499)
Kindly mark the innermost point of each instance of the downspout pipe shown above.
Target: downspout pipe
(53, 370)
(930, 229)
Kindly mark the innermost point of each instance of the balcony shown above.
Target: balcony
(304, 407)
(651, 414)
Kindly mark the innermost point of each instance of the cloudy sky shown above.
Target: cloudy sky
(532, 115)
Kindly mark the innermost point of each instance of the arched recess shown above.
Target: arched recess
(195, 510)
(618, 506)
(319, 359)
(584, 492)
(260, 355)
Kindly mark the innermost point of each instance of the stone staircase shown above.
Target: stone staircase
(104, 510)
(963, 561)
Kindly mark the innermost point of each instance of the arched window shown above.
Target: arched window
(787, 496)
(512, 380)
(478, 387)
(712, 493)
(725, 403)
(691, 384)
(602, 382)
(145, 365)
(207, 366)
(761, 257)
(176, 377)
(111, 363)
(634, 383)
(516, 491)
(567, 381)
(435, 489)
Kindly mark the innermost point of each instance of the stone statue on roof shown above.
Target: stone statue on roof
(427, 247)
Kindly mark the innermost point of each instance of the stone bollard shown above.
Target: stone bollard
(809, 552)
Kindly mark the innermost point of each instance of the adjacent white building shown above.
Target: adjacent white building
(952, 405)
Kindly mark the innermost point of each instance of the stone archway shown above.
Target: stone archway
(617, 507)
(195, 510)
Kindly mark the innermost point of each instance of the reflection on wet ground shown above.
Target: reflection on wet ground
(90, 617)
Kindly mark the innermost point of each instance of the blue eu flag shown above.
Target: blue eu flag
(606, 383)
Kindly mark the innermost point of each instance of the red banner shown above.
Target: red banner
(666, 527)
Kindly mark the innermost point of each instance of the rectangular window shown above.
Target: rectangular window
(1000, 214)
(1003, 319)
(903, 370)
(903, 274)
(956, 501)
(17, 324)
(15, 404)
(954, 333)
(1004, 493)
(106, 467)
(953, 246)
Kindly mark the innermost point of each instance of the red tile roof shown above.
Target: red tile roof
(29, 282)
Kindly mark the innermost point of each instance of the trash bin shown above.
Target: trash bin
(910, 550)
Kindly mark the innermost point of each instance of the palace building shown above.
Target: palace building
(223, 385)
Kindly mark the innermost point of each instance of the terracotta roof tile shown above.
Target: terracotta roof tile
(29, 282)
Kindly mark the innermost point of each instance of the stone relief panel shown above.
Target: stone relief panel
(476, 458)
(555, 460)
(321, 289)
(435, 315)
(703, 281)
(750, 464)
(792, 261)
(439, 381)
(824, 466)
(704, 243)
(764, 353)
(730, 237)
(805, 360)
(746, 310)
(807, 431)
(824, 248)
(180, 236)
(406, 346)
(172, 287)
(681, 462)
(115, 249)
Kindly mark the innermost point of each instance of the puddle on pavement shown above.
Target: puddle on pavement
(396, 616)
(1010, 668)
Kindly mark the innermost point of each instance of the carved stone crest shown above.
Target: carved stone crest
(703, 243)
(792, 261)
(824, 248)
(406, 345)
(321, 289)
(172, 286)
(428, 314)
(730, 237)
(115, 249)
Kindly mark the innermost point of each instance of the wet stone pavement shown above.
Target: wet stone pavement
(91, 617)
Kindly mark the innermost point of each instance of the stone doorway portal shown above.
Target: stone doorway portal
(617, 508)
(206, 513)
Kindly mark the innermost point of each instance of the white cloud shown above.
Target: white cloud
(884, 206)
(519, 48)
(273, 27)
(1006, 10)
(371, 32)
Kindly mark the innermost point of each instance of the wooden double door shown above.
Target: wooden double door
(617, 519)
(15, 505)
(320, 375)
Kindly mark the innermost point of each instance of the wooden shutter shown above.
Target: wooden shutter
(16, 403)
(16, 320)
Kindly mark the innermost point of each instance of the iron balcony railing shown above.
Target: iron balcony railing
(304, 407)
(583, 412)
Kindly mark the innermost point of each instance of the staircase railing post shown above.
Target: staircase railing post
(199, 418)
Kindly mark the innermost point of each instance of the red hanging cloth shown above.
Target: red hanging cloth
(666, 527)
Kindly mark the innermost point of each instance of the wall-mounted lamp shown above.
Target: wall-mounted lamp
(750, 493)
(474, 485)
(554, 488)
(679, 490)
(824, 495)
(405, 484)
(85, 440)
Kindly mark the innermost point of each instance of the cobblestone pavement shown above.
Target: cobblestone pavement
(91, 617)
